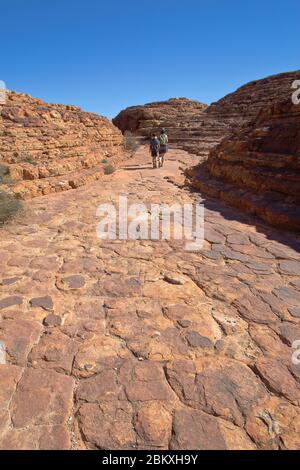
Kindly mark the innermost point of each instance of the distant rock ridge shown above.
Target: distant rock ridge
(51, 147)
(198, 128)
(178, 115)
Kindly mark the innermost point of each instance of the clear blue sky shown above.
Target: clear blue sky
(107, 55)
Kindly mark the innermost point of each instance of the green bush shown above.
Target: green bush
(131, 143)
(109, 169)
(104, 160)
(9, 206)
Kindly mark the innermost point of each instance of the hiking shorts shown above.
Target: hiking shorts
(163, 149)
(154, 153)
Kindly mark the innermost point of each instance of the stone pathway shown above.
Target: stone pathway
(141, 344)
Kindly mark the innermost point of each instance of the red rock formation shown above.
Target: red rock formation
(179, 115)
(49, 148)
(258, 168)
(197, 128)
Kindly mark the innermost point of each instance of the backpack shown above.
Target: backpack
(163, 138)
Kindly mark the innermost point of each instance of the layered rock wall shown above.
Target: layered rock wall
(198, 128)
(49, 148)
(258, 168)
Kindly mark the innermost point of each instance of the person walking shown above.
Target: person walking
(163, 147)
(154, 150)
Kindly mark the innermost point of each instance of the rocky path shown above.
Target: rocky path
(141, 344)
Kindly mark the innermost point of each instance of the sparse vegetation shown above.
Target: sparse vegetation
(109, 169)
(4, 172)
(31, 160)
(104, 160)
(131, 142)
(5, 176)
(9, 206)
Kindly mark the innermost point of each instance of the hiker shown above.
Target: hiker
(154, 150)
(163, 147)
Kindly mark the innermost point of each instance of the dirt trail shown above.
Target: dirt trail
(141, 344)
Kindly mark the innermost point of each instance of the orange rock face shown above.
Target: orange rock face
(178, 115)
(258, 168)
(197, 128)
(50, 148)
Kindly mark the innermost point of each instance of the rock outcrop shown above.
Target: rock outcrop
(197, 128)
(49, 148)
(179, 116)
(258, 168)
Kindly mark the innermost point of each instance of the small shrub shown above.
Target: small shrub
(131, 143)
(5, 176)
(4, 172)
(104, 160)
(31, 160)
(109, 169)
(9, 206)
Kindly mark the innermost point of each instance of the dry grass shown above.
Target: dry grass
(9, 206)
(131, 143)
(109, 169)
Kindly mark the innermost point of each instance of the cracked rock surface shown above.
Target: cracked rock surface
(140, 344)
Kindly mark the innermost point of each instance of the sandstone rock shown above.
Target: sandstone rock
(172, 279)
(52, 320)
(98, 353)
(217, 386)
(109, 427)
(198, 128)
(118, 286)
(154, 424)
(54, 351)
(99, 388)
(51, 148)
(45, 303)
(147, 383)
(197, 341)
(37, 438)
(71, 282)
(274, 424)
(195, 430)
(184, 323)
(9, 377)
(179, 115)
(43, 397)
(19, 336)
(10, 281)
(290, 267)
(289, 332)
(10, 301)
(288, 295)
(251, 308)
(295, 311)
(257, 168)
(235, 438)
(278, 379)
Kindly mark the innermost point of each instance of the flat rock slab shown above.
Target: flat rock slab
(10, 301)
(138, 344)
(45, 302)
(71, 282)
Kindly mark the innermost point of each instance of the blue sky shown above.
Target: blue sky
(107, 55)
